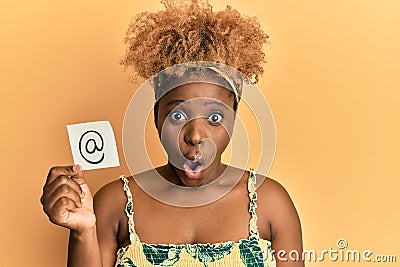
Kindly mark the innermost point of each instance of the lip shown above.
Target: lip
(193, 168)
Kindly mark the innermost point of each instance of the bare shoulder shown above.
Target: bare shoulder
(278, 215)
(275, 203)
(109, 204)
(271, 191)
(111, 191)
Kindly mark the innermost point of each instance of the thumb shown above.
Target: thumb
(78, 174)
(80, 219)
(87, 200)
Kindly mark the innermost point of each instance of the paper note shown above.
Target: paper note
(93, 145)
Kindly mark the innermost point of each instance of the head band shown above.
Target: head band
(201, 71)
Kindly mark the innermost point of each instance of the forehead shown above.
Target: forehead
(196, 90)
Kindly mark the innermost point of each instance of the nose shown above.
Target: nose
(195, 131)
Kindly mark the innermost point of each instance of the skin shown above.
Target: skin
(196, 106)
(99, 227)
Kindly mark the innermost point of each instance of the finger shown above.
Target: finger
(87, 200)
(49, 189)
(59, 213)
(78, 176)
(63, 170)
(64, 191)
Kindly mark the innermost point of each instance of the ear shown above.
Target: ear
(235, 103)
(156, 105)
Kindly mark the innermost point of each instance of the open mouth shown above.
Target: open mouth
(193, 168)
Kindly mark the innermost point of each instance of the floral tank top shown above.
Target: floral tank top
(250, 252)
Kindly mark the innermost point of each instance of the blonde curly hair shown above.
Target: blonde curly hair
(190, 30)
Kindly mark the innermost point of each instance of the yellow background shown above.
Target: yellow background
(332, 81)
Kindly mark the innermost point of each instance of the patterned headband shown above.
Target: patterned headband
(201, 71)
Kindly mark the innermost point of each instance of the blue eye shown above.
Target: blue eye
(215, 118)
(177, 116)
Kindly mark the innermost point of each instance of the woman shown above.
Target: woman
(194, 115)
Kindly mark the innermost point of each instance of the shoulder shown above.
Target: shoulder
(275, 202)
(109, 203)
(111, 191)
(270, 189)
(270, 193)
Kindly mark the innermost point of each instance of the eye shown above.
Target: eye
(215, 118)
(177, 116)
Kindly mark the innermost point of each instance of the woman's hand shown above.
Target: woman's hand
(67, 199)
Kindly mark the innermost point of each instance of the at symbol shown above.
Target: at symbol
(89, 142)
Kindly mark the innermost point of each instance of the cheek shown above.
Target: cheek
(224, 133)
(169, 136)
(221, 139)
(224, 143)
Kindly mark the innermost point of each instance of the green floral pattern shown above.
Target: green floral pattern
(251, 253)
(127, 262)
(162, 255)
(207, 253)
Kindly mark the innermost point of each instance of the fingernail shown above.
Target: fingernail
(83, 194)
(76, 168)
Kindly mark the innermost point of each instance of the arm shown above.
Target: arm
(284, 224)
(83, 249)
(109, 206)
(68, 202)
(98, 246)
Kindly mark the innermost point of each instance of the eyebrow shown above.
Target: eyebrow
(172, 102)
(217, 103)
